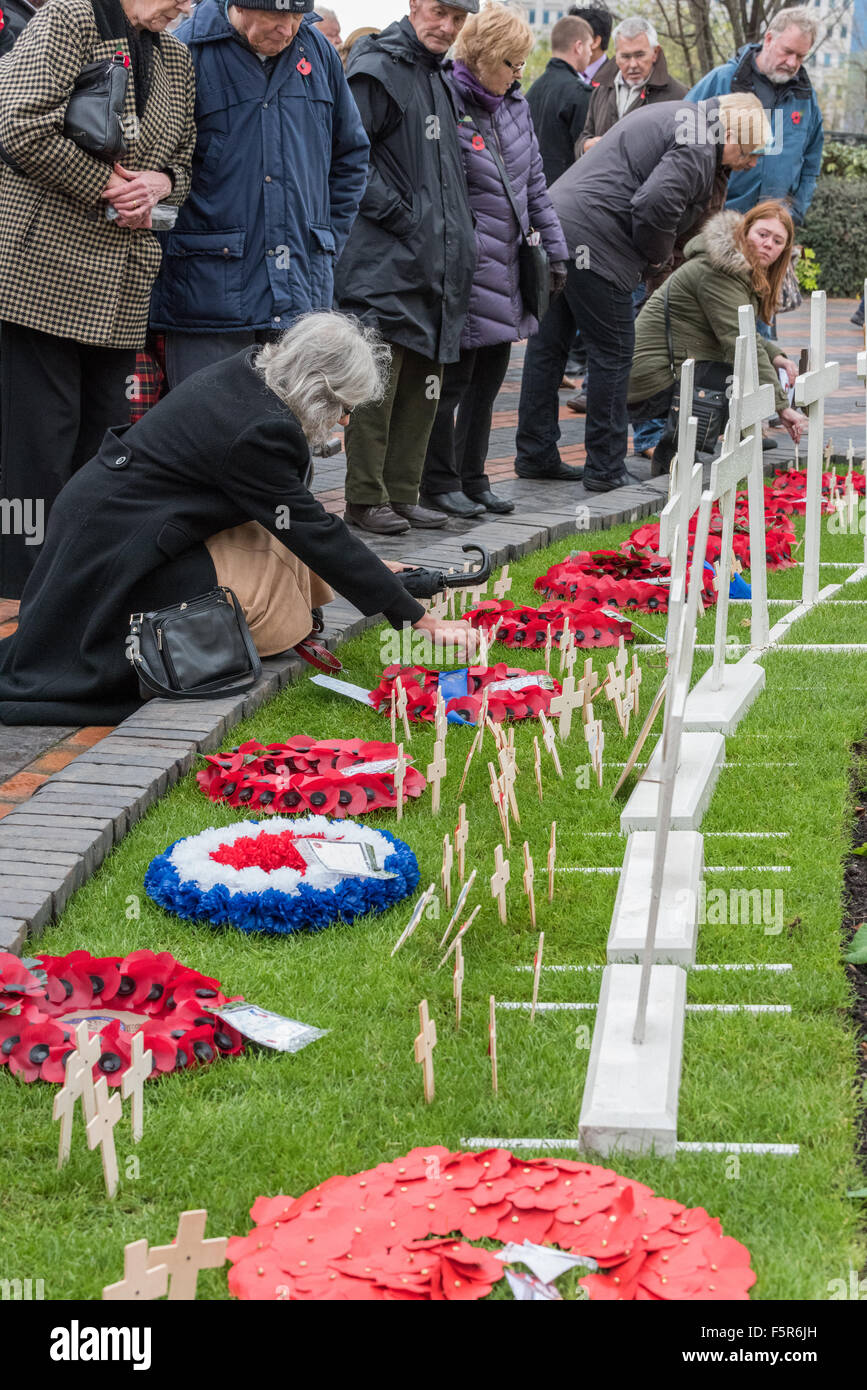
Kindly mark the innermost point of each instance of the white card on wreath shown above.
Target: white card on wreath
(352, 692)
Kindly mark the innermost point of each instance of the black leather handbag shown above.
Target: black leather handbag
(94, 112)
(198, 650)
(710, 408)
(534, 276)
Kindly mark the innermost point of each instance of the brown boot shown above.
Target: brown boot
(380, 519)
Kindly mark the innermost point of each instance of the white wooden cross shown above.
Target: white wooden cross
(188, 1254)
(549, 738)
(549, 646)
(588, 681)
(141, 1282)
(458, 981)
(500, 800)
(65, 1101)
(753, 406)
(503, 584)
(462, 831)
(499, 879)
(565, 643)
(140, 1067)
(459, 905)
(595, 735)
(508, 775)
(811, 388)
(565, 704)
(424, 1046)
(100, 1131)
(441, 722)
(392, 715)
(529, 874)
(537, 971)
(414, 919)
(615, 691)
(684, 494)
(446, 871)
(435, 773)
(399, 779)
(537, 764)
(400, 707)
(552, 857)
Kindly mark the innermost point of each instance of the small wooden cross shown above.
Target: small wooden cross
(497, 731)
(446, 871)
(508, 775)
(435, 773)
(461, 934)
(492, 1045)
(528, 883)
(615, 689)
(414, 919)
(484, 648)
(399, 779)
(549, 738)
(393, 715)
(570, 656)
(564, 705)
(537, 971)
(141, 1282)
(596, 742)
(552, 856)
(458, 982)
(140, 1067)
(537, 764)
(188, 1254)
(400, 707)
(503, 584)
(588, 681)
(462, 897)
(549, 646)
(633, 687)
(424, 1046)
(620, 658)
(565, 642)
(477, 739)
(499, 879)
(499, 799)
(100, 1131)
(88, 1050)
(441, 722)
(462, 831)
(65, 1101)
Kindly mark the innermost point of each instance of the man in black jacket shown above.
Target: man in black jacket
(621, 207)
(560, 97)
(407, 268)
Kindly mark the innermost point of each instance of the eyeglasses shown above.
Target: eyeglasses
(515, 67)
(344, 408)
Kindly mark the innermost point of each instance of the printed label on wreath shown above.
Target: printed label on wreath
(269, 1029)
(522, 682)
(352, 692)
(345, 858)
(378, 765)
(130, 1023)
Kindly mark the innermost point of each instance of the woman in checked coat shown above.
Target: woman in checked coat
(75, 286)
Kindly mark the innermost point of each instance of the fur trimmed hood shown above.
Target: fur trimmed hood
(716, 241)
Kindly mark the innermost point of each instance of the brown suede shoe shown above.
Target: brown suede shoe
(380, 519)
(578, 403)
(420, 517)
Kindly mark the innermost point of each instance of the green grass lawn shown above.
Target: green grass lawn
(267, 1123)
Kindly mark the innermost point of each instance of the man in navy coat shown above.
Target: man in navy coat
(278, 173)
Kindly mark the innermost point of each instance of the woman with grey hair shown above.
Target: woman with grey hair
(209, 487)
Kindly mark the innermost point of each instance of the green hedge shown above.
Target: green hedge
(835, 229)
(844, 161)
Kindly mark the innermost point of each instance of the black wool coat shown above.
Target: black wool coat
(127, 534)
(558, 102)
(407, 268)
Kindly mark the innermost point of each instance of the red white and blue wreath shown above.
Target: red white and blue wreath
(283, 876)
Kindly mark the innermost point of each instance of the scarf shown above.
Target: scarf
(470, 85)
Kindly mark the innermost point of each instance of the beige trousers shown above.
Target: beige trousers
(275, 590)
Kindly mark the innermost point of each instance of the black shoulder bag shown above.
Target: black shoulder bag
(194, 651)
(94, 112)
(534, 276)
(710, 408)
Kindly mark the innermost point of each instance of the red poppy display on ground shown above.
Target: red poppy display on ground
(525, 626)
(143, 991)
(332, 777)
(420, 684)
(368, 1237)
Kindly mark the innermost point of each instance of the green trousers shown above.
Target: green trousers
(386, 443)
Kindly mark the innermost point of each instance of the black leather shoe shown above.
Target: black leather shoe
(420, 517)
(578, 403)
(608, 482)
(379, 519)
(453, 503)
(560, 472)
(768, 443)
(492, 503)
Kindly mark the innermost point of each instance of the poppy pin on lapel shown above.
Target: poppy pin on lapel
(477, 142)
(303, 67)
(796, 118)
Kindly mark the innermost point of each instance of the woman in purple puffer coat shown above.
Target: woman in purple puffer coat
(489, 55)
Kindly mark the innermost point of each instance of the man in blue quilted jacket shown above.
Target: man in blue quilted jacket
(278, 172)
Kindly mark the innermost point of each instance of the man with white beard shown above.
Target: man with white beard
(774, 70)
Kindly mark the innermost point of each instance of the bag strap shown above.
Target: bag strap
(668, 338)
(501, 169)
(156, 687)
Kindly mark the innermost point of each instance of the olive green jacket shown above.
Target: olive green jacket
(706, 292)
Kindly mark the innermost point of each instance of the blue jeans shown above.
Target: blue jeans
(604, 315)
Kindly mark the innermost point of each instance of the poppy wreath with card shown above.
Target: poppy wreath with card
(529, 627)
(420, 685)
(571, 583)
(280, 876)
(401, 1231)
(42, 1001)
(329, 777)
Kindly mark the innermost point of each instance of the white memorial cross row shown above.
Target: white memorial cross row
(811, 388)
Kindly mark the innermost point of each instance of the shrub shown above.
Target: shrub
(844, 161)
(808, 271)
(834, 229)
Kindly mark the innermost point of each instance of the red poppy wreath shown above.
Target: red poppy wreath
(116, 996)
(512, 693)
(368, 1237)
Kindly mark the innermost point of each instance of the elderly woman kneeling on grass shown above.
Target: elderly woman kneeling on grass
(209, 487)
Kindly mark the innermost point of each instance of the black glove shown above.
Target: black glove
(557, 275)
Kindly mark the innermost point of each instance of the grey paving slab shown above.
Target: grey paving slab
(35, 907)
(13, 933)
(72, 873)
(137, 779)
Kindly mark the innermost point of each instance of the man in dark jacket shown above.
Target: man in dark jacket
(278, 173)
(559, 99)
(600, 21)
(638, 77)
(408, 265)
(14, 14)
(621, 208)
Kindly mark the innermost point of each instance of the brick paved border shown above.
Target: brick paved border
(53, 842)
